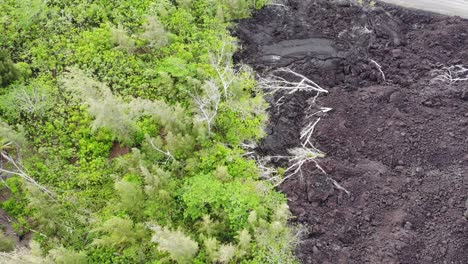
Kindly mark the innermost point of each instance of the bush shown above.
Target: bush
(140, 74)
(6, 244)
(8, 72)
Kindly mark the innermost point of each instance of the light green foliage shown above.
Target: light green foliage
(119, 233)
(6, 244)
(131, 197)
(109, 111)
(180, 247)
(131, 113)
(33, 100)
(33, 255)
(226, 253)
(10, 136)
(64, 256)
(212, 248)
(154, 33)
(45, 211)
(243, 246)
(121, 39)
(274, 240)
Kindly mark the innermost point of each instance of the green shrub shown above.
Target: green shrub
(8, 72)
(99, 74)
(6, 244)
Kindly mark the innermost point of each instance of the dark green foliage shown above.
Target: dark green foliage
(8, 72)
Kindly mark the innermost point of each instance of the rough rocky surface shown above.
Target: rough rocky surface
(397, 141)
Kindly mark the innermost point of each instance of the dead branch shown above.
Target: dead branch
(379, 68)
(223, 67)
(208, 103)
(166, 153)
(20, 170)
(275, 83)
(451, 75)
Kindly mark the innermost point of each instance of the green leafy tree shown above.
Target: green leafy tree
(8, 72)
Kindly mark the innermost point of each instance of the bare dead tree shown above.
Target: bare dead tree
(208, 103)
(221, 62)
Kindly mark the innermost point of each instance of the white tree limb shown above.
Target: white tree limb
(451, 75)
(274, 83)
(208, 103)
(20, 171)
(379, 68)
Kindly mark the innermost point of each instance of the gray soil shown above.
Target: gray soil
(399, 144)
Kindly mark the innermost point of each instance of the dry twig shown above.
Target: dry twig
(451, 75)
(20, 170)
(275, 83)
(379, 68)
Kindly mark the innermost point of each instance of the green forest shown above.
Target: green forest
(122, 133)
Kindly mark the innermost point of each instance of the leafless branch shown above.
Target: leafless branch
(226, 73)
(20, 170)
(274, 83)
(208, 103)
(308, 130)
(279, 3)
(451, 75)
(167, 153)
(379, 68)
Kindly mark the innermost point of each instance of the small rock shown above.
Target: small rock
(419, 169)
(394, 97)
(408, 226)
(443, 209)
(379, 130)
(343, 3)
(397, 53)
(442, 250)
(401, 162)
(399, 168)
(465, 158)
(464, 95)
(428, 103)
(451, 202)
(367, 218)
(315, 250)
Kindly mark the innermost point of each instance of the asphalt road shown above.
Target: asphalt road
(447, 7)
